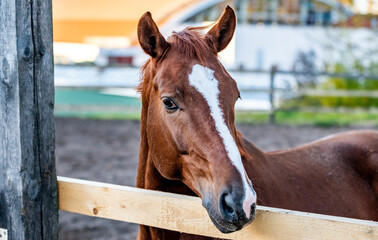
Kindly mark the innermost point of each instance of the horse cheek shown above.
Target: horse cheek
(164, 154)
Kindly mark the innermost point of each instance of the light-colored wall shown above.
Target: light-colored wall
(74, 20)
(260, 47)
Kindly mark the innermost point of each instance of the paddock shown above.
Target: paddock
(79, 156)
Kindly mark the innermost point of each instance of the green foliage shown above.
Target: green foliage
(330, 102)
(337, 83)
(343, 55)
(353, 83)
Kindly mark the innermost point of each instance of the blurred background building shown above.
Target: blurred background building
(326, 52)
(106, 30)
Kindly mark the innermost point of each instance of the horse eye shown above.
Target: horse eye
(169, 104)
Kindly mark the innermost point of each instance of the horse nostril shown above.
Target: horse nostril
(253, 208)
(227, 208)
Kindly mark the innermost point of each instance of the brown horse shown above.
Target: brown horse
(189, 143)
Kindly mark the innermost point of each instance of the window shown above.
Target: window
(282, 12)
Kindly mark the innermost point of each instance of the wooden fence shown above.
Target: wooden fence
(186, 214)
(28, 187)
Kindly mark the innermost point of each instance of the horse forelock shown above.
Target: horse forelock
(191, 43)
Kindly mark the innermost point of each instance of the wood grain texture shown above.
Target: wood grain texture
(10, 154)
(186, 214)
(28, 190)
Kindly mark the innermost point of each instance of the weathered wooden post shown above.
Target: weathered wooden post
(272, 117)
(28, 187)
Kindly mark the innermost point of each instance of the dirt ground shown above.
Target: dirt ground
(107, 151)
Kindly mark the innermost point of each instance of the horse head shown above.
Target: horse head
(189, 101)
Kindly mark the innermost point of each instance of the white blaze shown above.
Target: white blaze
(204, 81)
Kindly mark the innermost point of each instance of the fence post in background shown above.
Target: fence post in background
(28, 186)
(273, 71)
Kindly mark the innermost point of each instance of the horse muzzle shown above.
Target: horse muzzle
(230, 215)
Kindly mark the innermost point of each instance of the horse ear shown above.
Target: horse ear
(150, 38)
(221, 34)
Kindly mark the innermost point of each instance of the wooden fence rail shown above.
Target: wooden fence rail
(186, 214)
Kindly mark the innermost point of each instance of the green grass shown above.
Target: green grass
(311, 118)
(98, 115)
(251, 117)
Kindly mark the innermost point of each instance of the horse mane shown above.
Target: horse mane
(145, 75)
(191, 43)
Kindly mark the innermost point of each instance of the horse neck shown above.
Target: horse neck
(265, 172)
(143, 149)
(144, 88)
(255, 161)
(248, 150)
